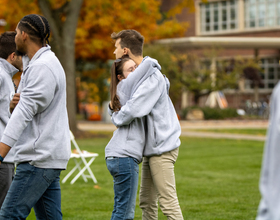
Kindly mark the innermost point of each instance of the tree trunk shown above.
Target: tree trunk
(68, 63)
(196, 98)
(63, 45)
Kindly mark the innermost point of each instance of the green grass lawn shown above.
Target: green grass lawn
(217, 179)
(257, 131)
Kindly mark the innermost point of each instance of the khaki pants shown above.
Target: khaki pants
(158, 184)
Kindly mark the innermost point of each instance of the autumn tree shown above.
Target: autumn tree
(81, 29)
(63, 17)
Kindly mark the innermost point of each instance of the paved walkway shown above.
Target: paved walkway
(185, 125)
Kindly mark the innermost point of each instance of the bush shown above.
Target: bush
(213, 113)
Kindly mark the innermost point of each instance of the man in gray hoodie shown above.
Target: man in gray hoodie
(38, 129)
(10, 64)
(162, 141)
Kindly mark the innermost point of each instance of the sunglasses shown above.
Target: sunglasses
(118, 61)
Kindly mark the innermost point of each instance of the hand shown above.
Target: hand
(14, 101)
(4, 149)
(110, 105)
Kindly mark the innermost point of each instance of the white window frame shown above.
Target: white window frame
(276, 72)
(220, 7)
(267, 3)
(241, 13)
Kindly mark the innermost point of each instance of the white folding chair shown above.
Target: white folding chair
(79, 158)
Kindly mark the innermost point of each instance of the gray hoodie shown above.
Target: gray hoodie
(269, 207)
(129, 140)
(151, 99)
(7, 71)
(38, 129)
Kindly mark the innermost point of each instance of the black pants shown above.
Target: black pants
(7, 171)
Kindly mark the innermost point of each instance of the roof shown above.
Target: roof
(225, 42)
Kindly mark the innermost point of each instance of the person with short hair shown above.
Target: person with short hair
(10, 64)
(151, 100)
(38, 129)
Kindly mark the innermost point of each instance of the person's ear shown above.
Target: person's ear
(12, 56)
(24, 35)
(125, 51)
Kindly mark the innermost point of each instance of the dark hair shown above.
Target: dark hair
(130, 39)
(7, 44)
(116, 69)
(37, 27)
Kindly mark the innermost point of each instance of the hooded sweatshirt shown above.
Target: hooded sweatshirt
(129, 140)
(270, 173)
(38, 129)
(151, 99)
(7, 71)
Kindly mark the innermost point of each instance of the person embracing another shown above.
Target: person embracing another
(38, 129)
(162, 131)
(124, 151)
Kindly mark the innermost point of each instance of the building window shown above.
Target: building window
(271, 72)
(219, 16)
(262, 13)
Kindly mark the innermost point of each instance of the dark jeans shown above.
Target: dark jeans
(125, 171)
(33, 187)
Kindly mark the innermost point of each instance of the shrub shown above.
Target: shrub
(213, 113)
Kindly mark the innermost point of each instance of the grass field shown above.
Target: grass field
(217, 179)
(257, 131)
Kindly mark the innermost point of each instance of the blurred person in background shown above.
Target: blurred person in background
(10, 64)
(151, 100)
(269, 207)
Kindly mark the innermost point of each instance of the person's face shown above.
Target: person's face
(128, 67)
(17, 62)
(119, 51)
(19, 41)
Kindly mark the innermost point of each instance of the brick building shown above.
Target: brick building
(247, 28)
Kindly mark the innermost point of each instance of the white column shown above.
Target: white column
(197, 18)
(241, 15)
(184, 101)
(213, 72)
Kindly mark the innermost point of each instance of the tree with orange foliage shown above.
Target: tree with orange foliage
(82, 28)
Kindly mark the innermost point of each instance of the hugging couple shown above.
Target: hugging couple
(148, 129)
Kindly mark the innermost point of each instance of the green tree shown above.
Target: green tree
(169, 66)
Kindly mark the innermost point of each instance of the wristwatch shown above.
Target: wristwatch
(1, 159)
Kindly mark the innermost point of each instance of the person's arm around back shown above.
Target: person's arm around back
(141, 103)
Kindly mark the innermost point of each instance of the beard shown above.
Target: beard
(19, 52)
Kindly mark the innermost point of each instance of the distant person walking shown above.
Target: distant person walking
(269, 207)
(10, 64)
(38, 129)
